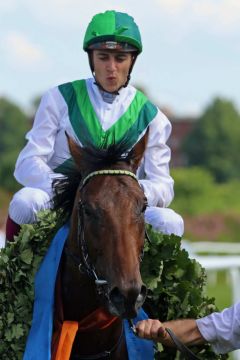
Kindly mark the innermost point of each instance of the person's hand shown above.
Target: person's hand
(185, 329)
(152, 330)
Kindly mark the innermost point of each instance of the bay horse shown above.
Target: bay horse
(100, 267)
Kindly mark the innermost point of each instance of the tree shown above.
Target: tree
(14, 124)
(194, 189)
(214, 142)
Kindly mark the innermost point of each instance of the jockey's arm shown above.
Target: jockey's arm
(31, 168)
(157, 183)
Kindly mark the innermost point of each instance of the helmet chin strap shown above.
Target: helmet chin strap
(116, 92)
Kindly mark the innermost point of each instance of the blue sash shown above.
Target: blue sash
(138, 349)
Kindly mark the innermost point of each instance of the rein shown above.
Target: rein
(188, 354)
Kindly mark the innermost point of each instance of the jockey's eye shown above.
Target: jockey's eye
(120, 58)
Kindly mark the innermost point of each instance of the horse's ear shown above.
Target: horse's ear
(138, 151)
(75, 151)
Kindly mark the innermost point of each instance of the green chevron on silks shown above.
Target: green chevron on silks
(87, 125)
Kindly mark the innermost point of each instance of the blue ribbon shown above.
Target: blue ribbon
(38, 345)
(138, 349)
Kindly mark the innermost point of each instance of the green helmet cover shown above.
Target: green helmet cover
(113, 26)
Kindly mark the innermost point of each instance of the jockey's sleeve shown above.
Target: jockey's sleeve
(157, 182)
(31, 168)
(222, 329)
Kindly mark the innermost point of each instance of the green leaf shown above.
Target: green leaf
(27, 256)
(10, 318)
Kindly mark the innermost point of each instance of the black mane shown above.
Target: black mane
(92, 158)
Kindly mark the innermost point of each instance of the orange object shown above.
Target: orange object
(98, 319)
(68, 333)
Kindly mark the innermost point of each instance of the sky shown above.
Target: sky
(191, 48)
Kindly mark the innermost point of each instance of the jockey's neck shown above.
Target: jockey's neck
(108, 97)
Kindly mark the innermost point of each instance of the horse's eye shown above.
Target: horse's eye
(91, 213)
(86, 210)
(144, 206)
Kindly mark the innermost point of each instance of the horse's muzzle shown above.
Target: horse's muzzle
(125, 303)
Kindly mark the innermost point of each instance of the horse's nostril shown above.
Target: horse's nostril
(126, 302)
(116, 296)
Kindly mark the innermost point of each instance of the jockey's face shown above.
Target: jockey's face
(111, 68)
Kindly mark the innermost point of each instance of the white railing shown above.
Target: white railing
(212, 247)
(2, 239)
(219, 257)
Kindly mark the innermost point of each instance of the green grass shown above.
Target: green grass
(220, 289)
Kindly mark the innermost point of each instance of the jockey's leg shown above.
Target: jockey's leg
(23, 209)
(12, 229)
(164, 220)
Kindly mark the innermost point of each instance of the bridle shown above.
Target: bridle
(85, 266)
(83, 262)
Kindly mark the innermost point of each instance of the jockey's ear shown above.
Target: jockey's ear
(138, 150)
(75, 151)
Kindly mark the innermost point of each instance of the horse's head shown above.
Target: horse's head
(107, 224)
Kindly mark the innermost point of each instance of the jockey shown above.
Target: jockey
(98, 109)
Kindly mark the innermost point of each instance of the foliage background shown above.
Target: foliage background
(14, 124)
(211, 210)
(214, 141)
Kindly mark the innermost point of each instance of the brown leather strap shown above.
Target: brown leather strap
(188, 354)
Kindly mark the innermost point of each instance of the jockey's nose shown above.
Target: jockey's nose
(111, 65)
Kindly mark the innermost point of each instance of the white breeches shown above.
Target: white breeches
(164, 220)
(28, 201)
